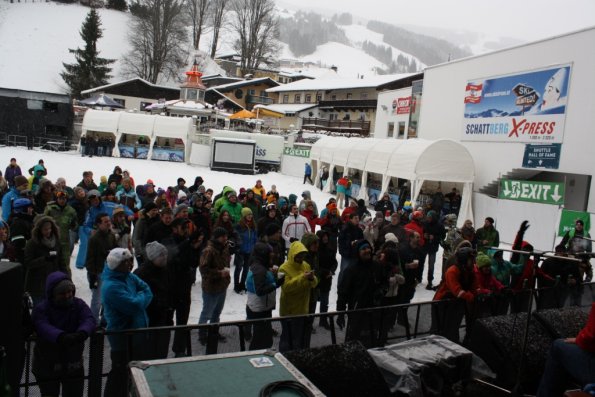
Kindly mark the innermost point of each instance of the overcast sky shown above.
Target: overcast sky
(526, 20)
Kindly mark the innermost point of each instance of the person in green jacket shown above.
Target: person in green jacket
(232, 206)
(66, 219)
(487, 236)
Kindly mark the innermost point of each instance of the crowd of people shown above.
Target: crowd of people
(274, 241)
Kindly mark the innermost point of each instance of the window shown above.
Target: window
(191, 94)
(263, 93)
(333, 97)
(363, 95)
(391, 130)
(308, 98)
(362, 116)
(252, 92)
(349, 95)
(318, 97)
(285, 98)
(143, 105)
(297, 98)
(121, 102)
(401, 130)
(333, 116)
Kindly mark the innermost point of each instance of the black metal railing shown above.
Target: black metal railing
(398, 322)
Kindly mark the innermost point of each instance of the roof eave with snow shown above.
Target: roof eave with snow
(103, 87)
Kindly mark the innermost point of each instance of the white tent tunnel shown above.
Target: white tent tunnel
(417, 161)
(138, 135)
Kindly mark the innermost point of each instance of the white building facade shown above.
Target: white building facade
(510, 105)
(392, 114)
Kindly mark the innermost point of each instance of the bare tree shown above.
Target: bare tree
(218, 10)
(158, 39)
(198, 10)
(256, 26)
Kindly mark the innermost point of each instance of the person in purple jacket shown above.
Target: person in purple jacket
(62, 323)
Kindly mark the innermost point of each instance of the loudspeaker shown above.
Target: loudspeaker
(11, 313)
(340, 370)
(499, 342)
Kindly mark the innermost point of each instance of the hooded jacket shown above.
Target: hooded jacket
(294, 227)
(51, 321)
(125, 298)
(307, 196)
(261, 283)
(38, 263)
(295, 292)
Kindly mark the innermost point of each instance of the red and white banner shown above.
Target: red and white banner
(473, 93)
(402, 105)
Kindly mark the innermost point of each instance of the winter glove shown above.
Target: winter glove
(341, 321)
(524, 226)
(467, 296)
(71, 338)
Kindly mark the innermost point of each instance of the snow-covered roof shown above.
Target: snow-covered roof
(100, 88)
(242, 83)
(288, 107)
(338, 83)
(177, 104)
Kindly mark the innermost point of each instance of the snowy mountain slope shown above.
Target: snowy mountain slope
(357, 34)
(35, 38)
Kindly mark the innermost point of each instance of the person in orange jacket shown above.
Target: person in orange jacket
(458, 290)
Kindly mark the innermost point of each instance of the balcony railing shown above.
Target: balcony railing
(349, 104)
(354, 126)
(258, 100)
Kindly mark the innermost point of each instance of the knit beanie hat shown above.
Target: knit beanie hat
(219, 232)
(483, 260)
(391, 237)
(179, 208)
(154, 250)
(309, 239)
(117, 256)
(292, 198)
(246, 211)
(149, 206)
(103, 179)
(361, 244)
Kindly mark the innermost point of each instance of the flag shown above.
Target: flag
(473, 93)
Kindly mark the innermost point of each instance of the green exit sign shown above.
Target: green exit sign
(532, 191)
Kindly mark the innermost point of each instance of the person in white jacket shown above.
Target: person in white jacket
(294, 226)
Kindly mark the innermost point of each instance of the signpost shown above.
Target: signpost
(542, 156)
(297, 152)
(532, 191)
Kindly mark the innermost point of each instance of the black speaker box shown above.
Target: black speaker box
(499, 342)
(340, 370)
(11, 310)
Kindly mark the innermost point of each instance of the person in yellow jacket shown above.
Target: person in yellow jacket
(295, 296)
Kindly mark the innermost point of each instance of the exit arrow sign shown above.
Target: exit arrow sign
(532, 191)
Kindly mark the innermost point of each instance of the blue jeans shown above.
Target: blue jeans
(95, 285)
(566, 362)
(212, 306)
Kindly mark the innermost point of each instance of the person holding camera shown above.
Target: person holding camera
(42, 257)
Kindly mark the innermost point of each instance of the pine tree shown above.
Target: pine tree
(89, 70)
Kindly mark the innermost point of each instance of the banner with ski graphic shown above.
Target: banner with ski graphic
(528, 107)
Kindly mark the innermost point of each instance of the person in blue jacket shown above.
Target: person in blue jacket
(125, 298)
(308, 173)
(96, 207)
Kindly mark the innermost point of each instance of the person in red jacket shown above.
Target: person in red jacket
(571, 359)
(526, 280)
(416, 225)
(458, 290)
(310, 215)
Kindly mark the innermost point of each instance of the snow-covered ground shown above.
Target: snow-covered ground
(70, 166)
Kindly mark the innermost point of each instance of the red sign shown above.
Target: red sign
(402, 105)
(473, 93)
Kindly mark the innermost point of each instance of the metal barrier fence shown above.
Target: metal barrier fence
(386, 325)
